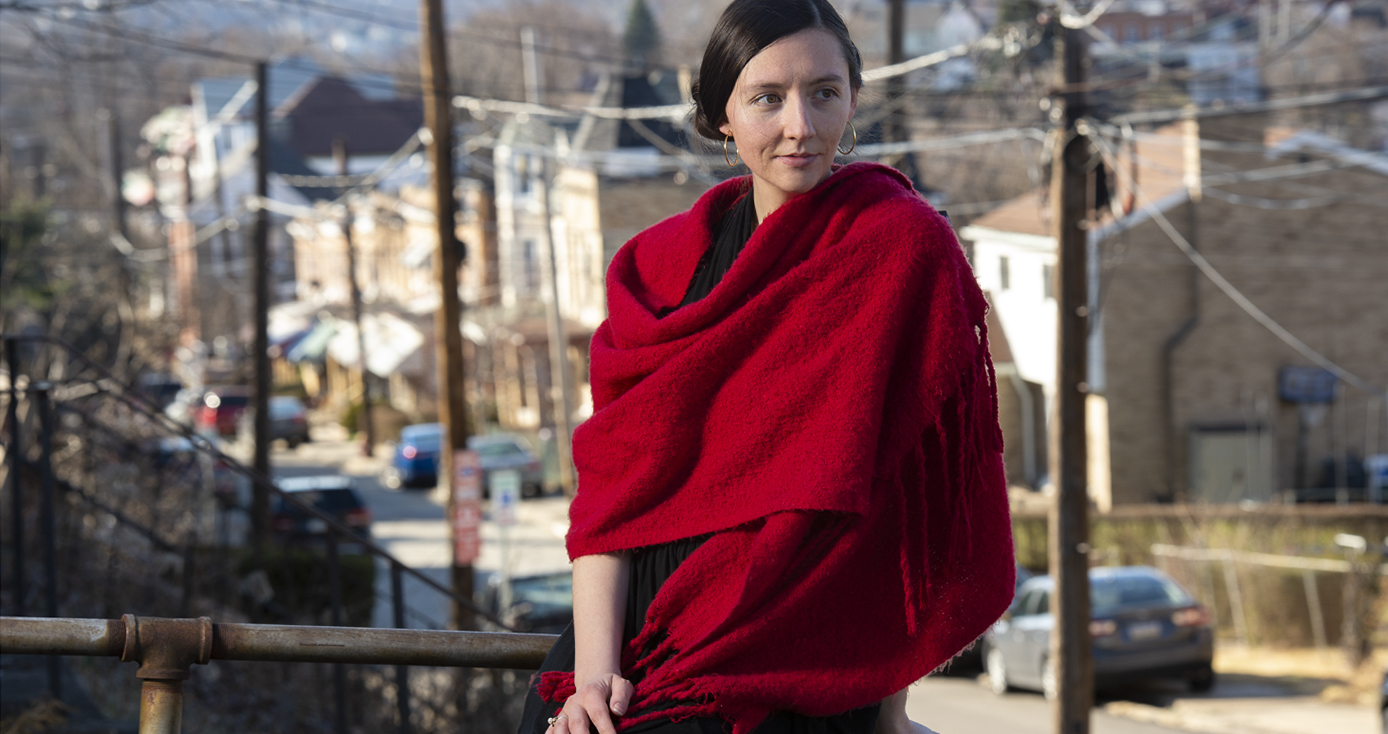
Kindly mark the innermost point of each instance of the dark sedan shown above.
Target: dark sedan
(1143, 626)
(331, 495)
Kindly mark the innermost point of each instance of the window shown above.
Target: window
(530, 271)
(523, 174)
(1048, 282)
(1156, 32)
(1004, 273)
(1131, 33)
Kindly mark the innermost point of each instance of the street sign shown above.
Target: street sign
(1306, 384)
(505, 485)
(466, 507)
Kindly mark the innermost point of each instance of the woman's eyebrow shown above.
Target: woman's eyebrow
(836, 78)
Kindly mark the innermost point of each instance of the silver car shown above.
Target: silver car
(509, 451)
(1143, 625)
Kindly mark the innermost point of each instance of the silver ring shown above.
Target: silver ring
(555, 719)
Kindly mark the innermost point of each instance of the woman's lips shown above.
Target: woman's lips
(798, 160)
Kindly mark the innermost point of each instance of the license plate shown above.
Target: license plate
(1144, 630)
(315, 525)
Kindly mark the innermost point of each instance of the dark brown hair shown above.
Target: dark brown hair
(745, 28)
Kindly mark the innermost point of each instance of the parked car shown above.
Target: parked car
(416, 460)
(509, 451)
(222, 408)
(1143, 626)
(288, 420)
(1383, 701)
(331, 494)
(542, 604)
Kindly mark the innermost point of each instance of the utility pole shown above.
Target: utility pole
(365, 423)
(558, 350)
(893, 128)
(1069, 518)
(117, 174)
(260, 352)
(453, 413)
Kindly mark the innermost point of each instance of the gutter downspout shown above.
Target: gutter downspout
(1028, 407)
(1168, 353)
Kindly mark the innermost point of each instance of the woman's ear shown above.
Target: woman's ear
(852, 103)
(726, 128)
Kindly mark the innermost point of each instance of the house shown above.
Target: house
(584, 185)
(1191, 398)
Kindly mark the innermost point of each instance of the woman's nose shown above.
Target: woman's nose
(799, 126)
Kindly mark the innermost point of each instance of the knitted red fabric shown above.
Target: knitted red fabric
(829, 413)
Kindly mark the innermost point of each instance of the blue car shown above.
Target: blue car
(416, 461)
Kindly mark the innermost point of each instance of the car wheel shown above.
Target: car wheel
(293, 442)
(529, 491)
(1202, 681)
(1050, 685)
(997, 671)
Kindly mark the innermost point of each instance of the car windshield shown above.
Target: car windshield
(550, 591)
(498, 449)
(1115, 592)
(425, 442)
(234, 401)
(331, 501)
(285, 407)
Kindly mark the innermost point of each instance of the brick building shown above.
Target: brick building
(1185, 400)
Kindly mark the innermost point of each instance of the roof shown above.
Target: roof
(287, 80)
(328, 109)
(1157, 167)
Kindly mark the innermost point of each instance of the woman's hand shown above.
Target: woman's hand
(596, 702)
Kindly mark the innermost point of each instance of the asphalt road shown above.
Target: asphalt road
(410, 524)
(961, 705)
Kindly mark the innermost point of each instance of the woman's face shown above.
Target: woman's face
(787, 113)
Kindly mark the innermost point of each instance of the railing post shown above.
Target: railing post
(16, 493)
(339, 671)
(50, 562)
(161, 707)
(402, 672)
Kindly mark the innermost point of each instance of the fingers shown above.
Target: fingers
(622, 691)
(593, 705)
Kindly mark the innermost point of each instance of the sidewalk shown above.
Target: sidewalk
(1270, 691)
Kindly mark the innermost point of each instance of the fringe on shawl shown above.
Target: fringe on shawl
(969, 441)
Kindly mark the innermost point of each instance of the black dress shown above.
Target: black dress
(652, 565)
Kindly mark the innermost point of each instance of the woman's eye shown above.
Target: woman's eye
(767, 99)
(828, 93)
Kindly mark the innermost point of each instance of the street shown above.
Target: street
(960, 705)
(409, 524)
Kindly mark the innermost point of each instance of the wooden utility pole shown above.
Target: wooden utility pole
(1069, 520)
(260, 351)
(365, 423)
(894, 128)
(453, 414)
(558, 348)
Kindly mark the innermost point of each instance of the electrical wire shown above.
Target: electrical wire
(1200, 262)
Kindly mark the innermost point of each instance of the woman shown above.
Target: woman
(791, 499)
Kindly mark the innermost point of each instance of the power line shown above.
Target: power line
(1363, 94)
(1218, 279)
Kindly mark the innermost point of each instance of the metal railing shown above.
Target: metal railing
(93, 381)
(167, 650)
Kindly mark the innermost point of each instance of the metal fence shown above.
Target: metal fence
(75, 408)
(167, 649)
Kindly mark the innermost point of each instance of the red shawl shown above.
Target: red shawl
(829, 413)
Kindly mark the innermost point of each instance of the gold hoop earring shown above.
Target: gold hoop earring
(852, 147)
(730, 161)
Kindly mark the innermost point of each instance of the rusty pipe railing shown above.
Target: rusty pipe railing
(166, 650)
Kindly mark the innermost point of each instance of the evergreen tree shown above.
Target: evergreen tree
(642, 36)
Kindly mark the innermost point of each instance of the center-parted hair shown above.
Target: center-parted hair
(745, 28)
